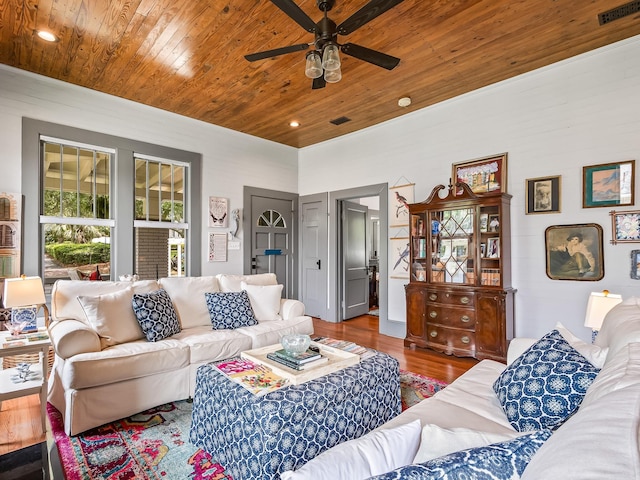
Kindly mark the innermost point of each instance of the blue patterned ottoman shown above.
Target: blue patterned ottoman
(257, 438)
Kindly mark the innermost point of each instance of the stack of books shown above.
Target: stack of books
(303, 361)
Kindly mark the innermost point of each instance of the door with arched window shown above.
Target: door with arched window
(272, 239)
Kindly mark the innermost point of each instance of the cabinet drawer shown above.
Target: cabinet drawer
(450, 338)
(464, 299)
(451, 317)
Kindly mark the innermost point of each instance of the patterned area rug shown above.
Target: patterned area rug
(154, 444)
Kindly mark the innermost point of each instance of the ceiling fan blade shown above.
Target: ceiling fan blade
(372, 56)
(252, 57)
(296, 14)
(319, 82)
(367, 13)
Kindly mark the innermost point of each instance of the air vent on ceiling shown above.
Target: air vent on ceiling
(619, 12)
(340, 120)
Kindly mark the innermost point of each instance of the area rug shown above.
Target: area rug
(155, 444)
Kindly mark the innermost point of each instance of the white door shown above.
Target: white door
(355, 265)
(313, 253)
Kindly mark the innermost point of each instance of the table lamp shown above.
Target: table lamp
(598, 306)
(25, 295)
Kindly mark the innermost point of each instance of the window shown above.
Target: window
(271, 218)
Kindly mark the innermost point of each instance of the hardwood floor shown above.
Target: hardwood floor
(20, 418)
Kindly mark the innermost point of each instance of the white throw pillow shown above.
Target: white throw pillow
(187, 295)
(594, 353)
(437, 441)
(375, 453)
(265, 300)
(231, 283)
(111, 316)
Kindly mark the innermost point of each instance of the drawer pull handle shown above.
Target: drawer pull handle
(433, 296)
(464, 300)
(465, 340)
(433, 334)
(465, 319)
(433, 314)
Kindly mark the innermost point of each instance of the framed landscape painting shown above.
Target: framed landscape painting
(608, 184)
(574, 252)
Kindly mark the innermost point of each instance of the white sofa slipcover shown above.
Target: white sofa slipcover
(97, 379)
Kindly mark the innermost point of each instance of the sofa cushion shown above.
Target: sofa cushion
(437, 441)
(269, 333)
(504, 461)
(375, 453)
(230, 310)
(187, 295)
(112, 317)
(599, 442)
(233, 283)
(206, 345)
(621, 326)
(545, 385)
(265, 300)
(595, 354)
(156, 315)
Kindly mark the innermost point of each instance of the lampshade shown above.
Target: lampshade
(330, 58)
(598, 306)
(23, 291)
(333, 76)
(313, 67)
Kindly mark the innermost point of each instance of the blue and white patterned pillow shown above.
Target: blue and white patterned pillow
(545, 385)
(230, 310)
(156, 315)
(498, 461)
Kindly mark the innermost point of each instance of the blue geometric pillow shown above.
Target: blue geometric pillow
(545, 385)
(498, 461)
(156, 315)
(230, 310)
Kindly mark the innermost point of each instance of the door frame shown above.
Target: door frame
(247, 194)
(395, 329)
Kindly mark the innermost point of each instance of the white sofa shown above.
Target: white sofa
(105, 369)
(599, 441)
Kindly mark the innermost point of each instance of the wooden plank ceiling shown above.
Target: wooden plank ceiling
(187, 56)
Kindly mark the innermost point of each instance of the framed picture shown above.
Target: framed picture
(625, 226)
(543, 195)
(574, 252)
(483, 249)
(493, 248)
(483, 175)
(400, 197)
(400, 257)
(218, 212)
(494, 223)
(635, 264)
(484, 222)
(609, 184)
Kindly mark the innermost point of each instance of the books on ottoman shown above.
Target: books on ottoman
(318, 360)
(306, 357)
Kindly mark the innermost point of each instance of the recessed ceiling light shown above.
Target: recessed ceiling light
(294, 123)
(46, 36)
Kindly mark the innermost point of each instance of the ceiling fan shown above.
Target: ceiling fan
(323, 63)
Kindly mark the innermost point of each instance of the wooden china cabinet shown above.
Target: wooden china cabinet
(459, 299)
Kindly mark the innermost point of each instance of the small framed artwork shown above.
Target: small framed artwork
(625, 226)
(483, 249)
(608, 184)
(218, 211)
(484, 222)
(484, 175)
(400, 196)
(543, 195)
(400, 256)
(574, 252)
(493, 248)
(635, 264)
(494, 223)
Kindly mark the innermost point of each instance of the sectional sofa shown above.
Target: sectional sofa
(106, 367)
(561, 409)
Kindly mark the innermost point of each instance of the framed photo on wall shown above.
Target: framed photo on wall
(608, 184)
(625, 226)
(488, 174)
(574, 252)
(635, 264)
(543, 195)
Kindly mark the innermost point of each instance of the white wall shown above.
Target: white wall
(553, 121)
(230, 159)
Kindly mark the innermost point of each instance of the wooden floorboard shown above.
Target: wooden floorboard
(20, 418)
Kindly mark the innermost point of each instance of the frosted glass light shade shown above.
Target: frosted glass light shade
(331, 58)
(23, 291)
(333, 76)
(313, 68)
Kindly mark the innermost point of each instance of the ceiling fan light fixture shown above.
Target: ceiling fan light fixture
(331, 57)
(313, 68)
(333, 76)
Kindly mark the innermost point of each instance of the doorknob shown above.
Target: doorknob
(318, 263)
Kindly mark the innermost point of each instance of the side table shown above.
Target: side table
(9, 389)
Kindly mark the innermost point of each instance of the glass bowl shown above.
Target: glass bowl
(295, 344)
